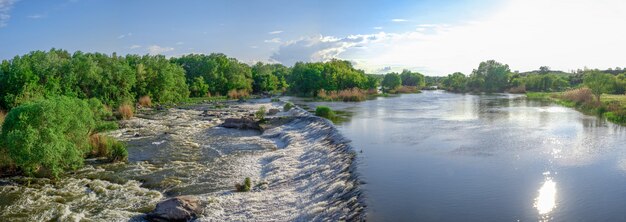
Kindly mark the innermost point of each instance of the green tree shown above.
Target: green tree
(391, 81)
(412, 79)
(598, 82)
(491, 76)
(198, 87)
(48, 135)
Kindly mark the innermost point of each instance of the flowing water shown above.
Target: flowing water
(301, 169)
(439, 156)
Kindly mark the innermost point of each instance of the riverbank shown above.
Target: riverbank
(612, 107)
(301, 168)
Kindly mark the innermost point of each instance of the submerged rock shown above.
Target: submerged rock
(182, 208)
(241, 123)
(273, 112)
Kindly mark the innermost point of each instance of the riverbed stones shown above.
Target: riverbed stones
(181, 208)
(272, 112)
(241, 123)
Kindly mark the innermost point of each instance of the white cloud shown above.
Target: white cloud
(274, 40)
(125, 35)
(36, 16)
(254, 47)
(526, 34)
(378, 28)
(5, 11)
(179, 43)
(399, 20)
(135, 46)
(156, 50)
(275, 32)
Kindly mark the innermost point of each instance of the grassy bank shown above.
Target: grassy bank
(612, 107)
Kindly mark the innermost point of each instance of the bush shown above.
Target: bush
(581, 96)
(145, 101)
(288, 106)
(48, 135)
(105, 146)
(275, 100)
(324, 111)
(100, 111)
(245, 187)
(346, 95)
(125, 111)
(238, 94)
(260, 114)
(406, 89)
(518, 89)
(3, 115)
(616, 116)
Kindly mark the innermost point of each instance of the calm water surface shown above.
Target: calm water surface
(438, 156)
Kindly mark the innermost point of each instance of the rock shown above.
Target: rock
(272, 112)
(241, 123)
(182, 208)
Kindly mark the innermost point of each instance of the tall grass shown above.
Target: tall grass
(346, 95)
(238, 94)
(105, 146)
(3, 114)
(406, 89)
(145, 101)
(580, 96)
(324, 111)
(125, 111)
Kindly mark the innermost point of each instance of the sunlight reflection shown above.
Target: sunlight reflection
(546, 201)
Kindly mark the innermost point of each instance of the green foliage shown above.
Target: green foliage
(309, 78)
(158, 78)
(455, 82)
(269, 77)
(260, 114)
(220, 73)
(118, 151)
(324, 111)
(245, 187)
(598, 82)
(275, 100)
(288, 106)
(491, 76)
(616, 116)
(48, 135)
(412, 79)
(391, 81)
(198, 87)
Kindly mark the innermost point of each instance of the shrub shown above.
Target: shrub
(288, 106)
(3, 115)
(125, 111)
(260, 114)
(616, 116)
(105, 146)
(324, 111)
(100, 111)
(145, 101)
(406, 89)
(275, 100)
(48, 135)
(238, 94)
(518, 89)
(346, 95)
(581, 96)
(245, 187)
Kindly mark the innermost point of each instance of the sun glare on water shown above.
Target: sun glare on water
(546, 201)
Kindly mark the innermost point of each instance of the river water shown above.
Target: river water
(439, 156)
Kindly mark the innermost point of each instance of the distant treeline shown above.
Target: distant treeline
(117, 80)
(492, 76)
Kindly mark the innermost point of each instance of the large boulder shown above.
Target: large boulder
(241, 123)
(182, 208)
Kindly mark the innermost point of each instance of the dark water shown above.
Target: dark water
(438, 156)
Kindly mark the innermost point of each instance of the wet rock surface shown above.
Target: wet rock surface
(241, 123)
(179, 209)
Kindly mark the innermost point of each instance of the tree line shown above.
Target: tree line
(492, 76)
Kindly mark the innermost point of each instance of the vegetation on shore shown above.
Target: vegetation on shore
(613, 107)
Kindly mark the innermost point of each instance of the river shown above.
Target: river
(439, 156)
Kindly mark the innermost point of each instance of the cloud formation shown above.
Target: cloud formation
(274, 40)
(5, 11)
(399, 20)
(135, 46)
(125, 35)
(156, 50)
(525, 34)
(275, 32)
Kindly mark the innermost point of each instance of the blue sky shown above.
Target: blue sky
(433, 37)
